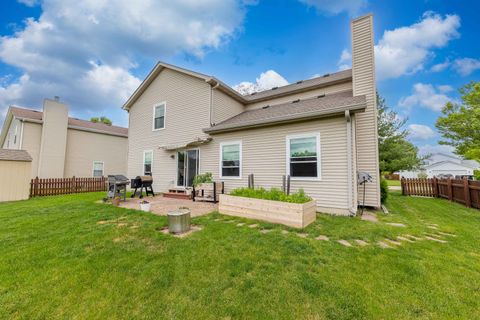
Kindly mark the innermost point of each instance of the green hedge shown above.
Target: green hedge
(272, 194)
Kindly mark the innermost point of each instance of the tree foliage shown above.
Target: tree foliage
(395, 151)
(460, 122)
(102, 119)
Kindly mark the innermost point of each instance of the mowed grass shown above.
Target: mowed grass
(394, 183)
(69, 257)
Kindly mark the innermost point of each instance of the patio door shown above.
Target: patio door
(187, 167)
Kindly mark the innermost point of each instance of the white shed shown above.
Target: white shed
(15, 171)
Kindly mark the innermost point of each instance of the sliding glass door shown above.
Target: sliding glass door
(187, 167)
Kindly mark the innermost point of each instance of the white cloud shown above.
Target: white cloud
(405, 50)
(75, 47)
(466, 66)
(425, 95)
(420, 132)
(440, 66)
(345, 60)
(445, 88)
(427, 149)
(352, 7)
(266, 81)
(29, 3)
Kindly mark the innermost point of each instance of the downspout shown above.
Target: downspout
(348, 119)
(21, 135)
(211, 101)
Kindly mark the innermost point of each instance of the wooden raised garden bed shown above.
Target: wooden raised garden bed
(297, 215)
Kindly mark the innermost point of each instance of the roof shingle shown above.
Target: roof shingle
(14, 155)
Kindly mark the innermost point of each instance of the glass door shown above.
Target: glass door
(187, 167)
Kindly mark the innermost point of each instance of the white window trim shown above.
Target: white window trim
(164, 104)
(143, 162)
(319, 154)
(93, 168)
(227, 143)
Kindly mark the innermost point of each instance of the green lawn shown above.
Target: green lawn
(69, 257)
(395, 183)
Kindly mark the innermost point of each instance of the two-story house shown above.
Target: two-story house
(320, 131)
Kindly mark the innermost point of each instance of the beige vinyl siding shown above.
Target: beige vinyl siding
(264, 155)
(187, 113)
(32, 137)
(366, 123)
(83, 148)
(14, 130)
(224, 107)
(16, 180)
(303, 95)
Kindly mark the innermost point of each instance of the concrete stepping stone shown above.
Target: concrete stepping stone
(361, 242)
(432, 224)
(285, 232)
(446, 234)
(217, 220)
(322, 238)
(265, 231)
(393, 242)
(253, 225)
(241, 224)
(396, 224)
(302, 235)
(344, 243)
(433, 227)
(412, 237)
(369, 216)
(383, 245)
(435, 239)
(405, 239)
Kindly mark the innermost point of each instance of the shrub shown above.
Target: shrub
(202, 178)
(476, 174)
(274, 194)
(383, 190)
(422, 175)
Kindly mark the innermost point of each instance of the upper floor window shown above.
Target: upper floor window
(147, 162)
(303, 156)
(159, 111)
(98, 168)
(230, 159)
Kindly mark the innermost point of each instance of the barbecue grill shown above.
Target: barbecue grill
(142, 182)
(117, 186)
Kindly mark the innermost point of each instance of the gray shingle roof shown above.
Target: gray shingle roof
(72, 122)
(299, 110)
(14, 155)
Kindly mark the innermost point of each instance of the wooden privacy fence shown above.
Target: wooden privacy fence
(462, 191)
(56, 186)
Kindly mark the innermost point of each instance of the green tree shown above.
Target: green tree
(395, 151)
(460, 122)
(102, 119)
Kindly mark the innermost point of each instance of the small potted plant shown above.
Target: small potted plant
(116, 201)
(145, 205)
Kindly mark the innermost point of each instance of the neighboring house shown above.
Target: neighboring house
(319, 131)
(443, 164)
(64, 147)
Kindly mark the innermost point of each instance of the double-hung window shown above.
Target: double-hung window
(231, 159)
(159, 111)
(303, 156)
(97, 168)
(147, 162)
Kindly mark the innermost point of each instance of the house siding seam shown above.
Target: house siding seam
(363, 75)
(224, 106)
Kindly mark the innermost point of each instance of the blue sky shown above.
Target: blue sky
(95, 53)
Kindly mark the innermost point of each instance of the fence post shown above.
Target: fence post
(435, 187)
(72, 187)
(402, 184)
(468, 200)
(450, 189)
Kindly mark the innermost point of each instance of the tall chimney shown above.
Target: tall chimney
(363, 73)
(54, 139)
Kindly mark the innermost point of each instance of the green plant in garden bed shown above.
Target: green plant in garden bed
(272, 194)
(202, 178)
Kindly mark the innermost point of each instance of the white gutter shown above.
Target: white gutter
(348, 119)
(21, 135)
(211, 101)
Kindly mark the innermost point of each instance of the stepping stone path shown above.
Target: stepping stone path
(412, 237)
(368, 216)
(322, 238)
(284, 232)
(264, 231)
(433, 227)
(393, 242)
(446, 234)
(383, 245)
(217, 219)
(240, 224)
(396, 224)
(253, 225)
(344, 242)
(405, 239)
(229, 221)
(435, 239)
(361, 242)
(302, 235)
